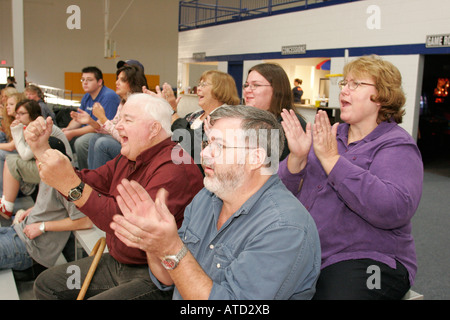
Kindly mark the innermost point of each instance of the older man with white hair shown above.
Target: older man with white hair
(146, 157)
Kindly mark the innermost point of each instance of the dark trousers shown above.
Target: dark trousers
(362, 279)
(112, 281)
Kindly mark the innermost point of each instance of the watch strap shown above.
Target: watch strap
(180, 255)
(170, 262)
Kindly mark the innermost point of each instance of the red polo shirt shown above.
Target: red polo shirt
(153, 169)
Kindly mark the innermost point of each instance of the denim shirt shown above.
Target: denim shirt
(268, 249)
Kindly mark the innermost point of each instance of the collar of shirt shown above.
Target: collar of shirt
(247, 206)
(152, 152)
(381, 129)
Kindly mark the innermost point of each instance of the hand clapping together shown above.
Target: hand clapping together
(321, 135)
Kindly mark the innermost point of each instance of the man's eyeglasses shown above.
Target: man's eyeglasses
(216, 147)
(352, 85)
(87, 80)
(254, 86)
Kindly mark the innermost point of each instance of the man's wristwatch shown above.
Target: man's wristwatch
(171, 262)
(42, 227)
(76, 193)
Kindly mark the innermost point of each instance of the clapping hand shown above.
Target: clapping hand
(80, 116)
(145, 224)
(99, 112)
(166, 93)
(299, 141)
(325, 143)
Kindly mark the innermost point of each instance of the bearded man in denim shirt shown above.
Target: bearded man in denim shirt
(244, 236)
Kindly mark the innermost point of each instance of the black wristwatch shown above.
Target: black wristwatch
(76, 193)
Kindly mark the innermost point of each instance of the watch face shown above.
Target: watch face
(169, 263)
(75, 194)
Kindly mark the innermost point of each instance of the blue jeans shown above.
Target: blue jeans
(102, 148)
(3, 138)
(81, 147)
(13, 252)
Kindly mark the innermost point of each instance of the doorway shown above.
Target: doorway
(434, 118)
(5, 72)
(236, 69)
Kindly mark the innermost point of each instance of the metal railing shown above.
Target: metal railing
(203, 13)
(57, 96)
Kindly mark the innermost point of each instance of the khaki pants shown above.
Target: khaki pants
(23, 170)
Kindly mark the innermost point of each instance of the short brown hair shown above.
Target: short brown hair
(33, 108)
(388, 82)
(223, 86)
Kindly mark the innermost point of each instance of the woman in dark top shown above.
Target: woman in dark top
(214, 89)
(297, 91)
(268, 88)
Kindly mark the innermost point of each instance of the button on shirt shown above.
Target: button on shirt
(363, 208)
(269, 248)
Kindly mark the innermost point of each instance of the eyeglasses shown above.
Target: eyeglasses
(216, 147)
(352, 85)
(21, 113)
(203, 84)
(87, 80)
(254, 86)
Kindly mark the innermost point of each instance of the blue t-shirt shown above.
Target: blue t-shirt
(108, 98)
(269, 249)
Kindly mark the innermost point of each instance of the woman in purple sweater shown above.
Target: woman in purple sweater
(362, 182)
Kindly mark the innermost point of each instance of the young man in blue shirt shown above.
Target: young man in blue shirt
(78, 134)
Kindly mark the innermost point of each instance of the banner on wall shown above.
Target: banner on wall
(438, 40)
(297, 49)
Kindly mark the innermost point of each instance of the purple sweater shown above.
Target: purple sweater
(363, 208)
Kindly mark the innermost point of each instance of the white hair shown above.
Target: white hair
(156, 108)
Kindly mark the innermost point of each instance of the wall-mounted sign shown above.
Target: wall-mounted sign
(438, 40)
(298, 49)
(199, 55)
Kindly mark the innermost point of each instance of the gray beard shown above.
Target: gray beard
(224, 184)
